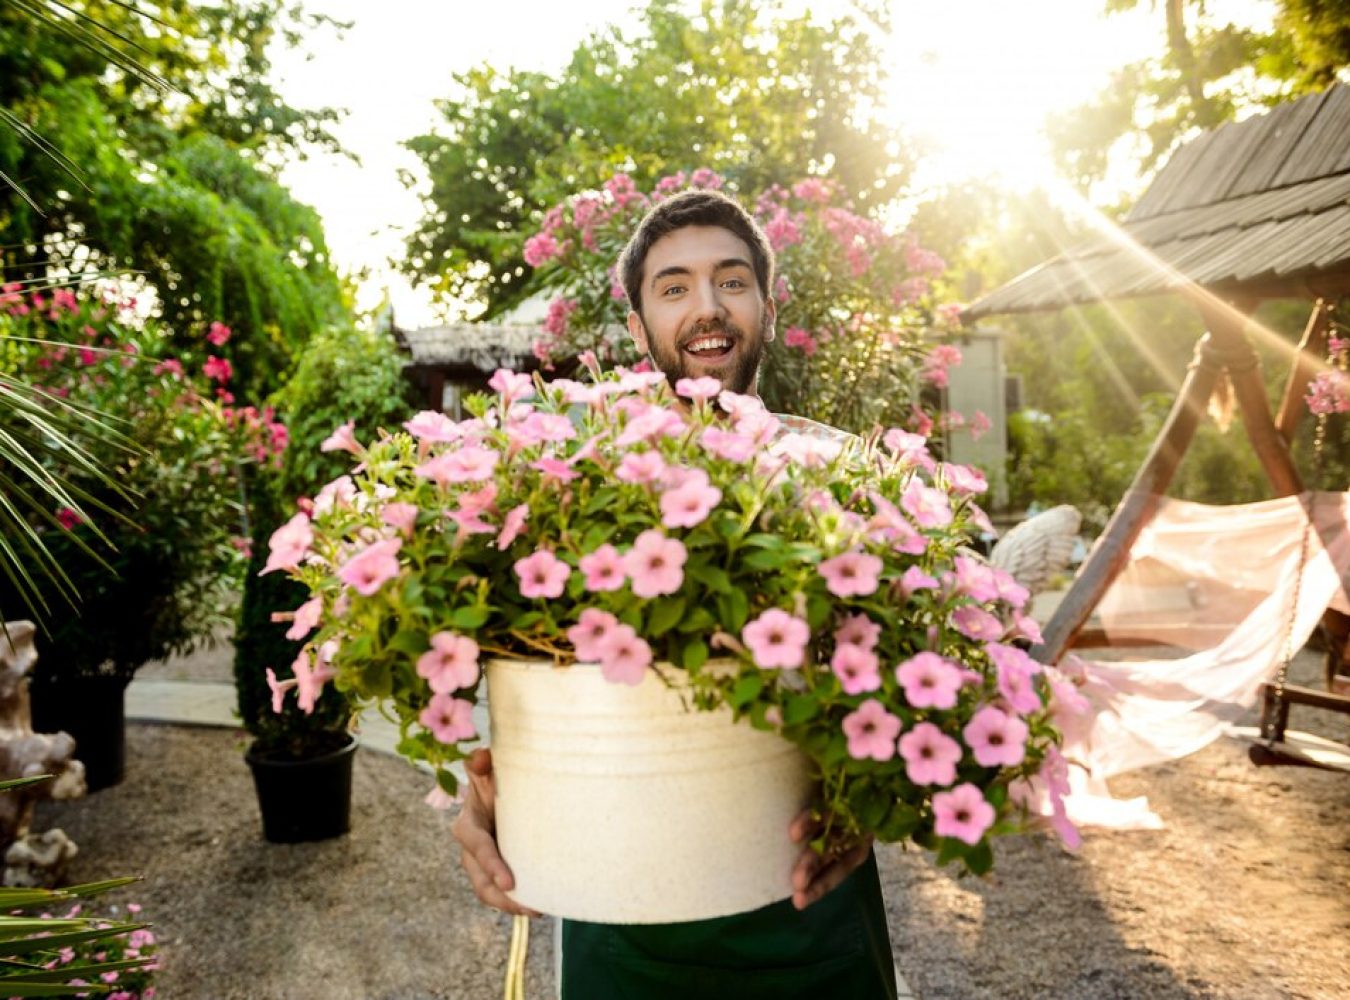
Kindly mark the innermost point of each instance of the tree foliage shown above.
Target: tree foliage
(167, 167)
(739, 87)
(1210, 72)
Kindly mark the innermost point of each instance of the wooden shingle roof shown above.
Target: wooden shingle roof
(477, 347)
(1261, 206)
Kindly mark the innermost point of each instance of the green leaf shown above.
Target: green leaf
(408, 641)
(469, 618)
(899, 823)
(950, 850)
(765, 559)
(447, 780)
(527, 620)
(799, 708)
(747, 689)
(695, 654)
(980, 858)
(663, 614)
(818, 610)
(734, 608)
(713, 577)
(869, 804)
(698, 619)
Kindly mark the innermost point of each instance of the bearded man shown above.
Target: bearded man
(697, 273)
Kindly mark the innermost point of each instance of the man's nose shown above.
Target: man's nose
(708, 303)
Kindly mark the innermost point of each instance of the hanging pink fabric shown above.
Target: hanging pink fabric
(1220, 581)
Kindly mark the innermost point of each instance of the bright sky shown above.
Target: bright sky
(977, 76)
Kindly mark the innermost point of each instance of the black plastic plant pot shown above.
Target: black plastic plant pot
(93, 711)
(307, 799)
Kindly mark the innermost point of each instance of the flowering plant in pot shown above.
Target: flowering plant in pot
(153, 558)
(344, 373)
(816, 588)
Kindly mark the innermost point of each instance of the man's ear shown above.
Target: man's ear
(771, 313)
(638, 331)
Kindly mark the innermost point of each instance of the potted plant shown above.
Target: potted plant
(301, 760)
(680, 544)
(153, 560)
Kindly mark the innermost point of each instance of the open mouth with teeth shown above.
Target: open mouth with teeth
(709, 346)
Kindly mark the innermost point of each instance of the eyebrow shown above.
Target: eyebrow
(722, 265)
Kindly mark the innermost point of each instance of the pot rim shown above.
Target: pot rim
(256, 759)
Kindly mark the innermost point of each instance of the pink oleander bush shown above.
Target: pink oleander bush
(1329, 391)
(854, 299)
(603, 523)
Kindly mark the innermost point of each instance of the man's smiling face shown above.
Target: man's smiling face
(702, 310)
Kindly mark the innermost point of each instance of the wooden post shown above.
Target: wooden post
(1112, 550)
(1310, 351)
(1244, 372)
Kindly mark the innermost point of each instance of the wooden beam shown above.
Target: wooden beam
(1226, 322)
(1311, 350)
(1112, 550)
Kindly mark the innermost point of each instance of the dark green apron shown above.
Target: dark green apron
(836, 948)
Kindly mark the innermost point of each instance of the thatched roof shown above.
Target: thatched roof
(1260, 207)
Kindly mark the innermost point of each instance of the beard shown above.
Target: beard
(744, 374)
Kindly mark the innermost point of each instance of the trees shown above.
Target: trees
(738, 88)
(1209, 72)
(167, 168)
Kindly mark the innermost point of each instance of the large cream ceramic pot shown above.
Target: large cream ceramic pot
(620, 804)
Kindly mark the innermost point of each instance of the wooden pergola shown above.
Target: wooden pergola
(449, 361)
(1253, 210)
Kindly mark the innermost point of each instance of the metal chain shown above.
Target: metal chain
(1319, 446)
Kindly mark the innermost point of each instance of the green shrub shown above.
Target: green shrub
(344, 374)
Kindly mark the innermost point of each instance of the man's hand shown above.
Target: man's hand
(815, 875)
(476, 830)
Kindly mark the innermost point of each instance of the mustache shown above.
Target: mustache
(730, 330)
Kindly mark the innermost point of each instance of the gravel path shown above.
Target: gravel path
(1243, 896)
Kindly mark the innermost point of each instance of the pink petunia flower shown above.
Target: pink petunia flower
(511, 386)
(341, 492)
(542, 574)
(217, 334)
(962, 813)
(289, 544)
(513, 525)
(851, 574)
(306, 618)
(451, 664)
(438, 798)
(929, 680)
(976, 623)
(641, 467)
(856, 669)
(309, 681)
(928, 506)
(889, 525)
(690, 503)
(858, 630)
(930, 755)
(370, 568)
(738, 405)
(1015, 671)
(964, 479)
(591, 629)
(279, 689)
(915, 579)
(729, 445)
(343, 439)
(469, 464)
(655, 564)
(871, 732)
(1009, 590)
(603, 569)
(624, 657)
(777, 639)
(432, 425)
(1026, 627)
(401, 516)
(996, 738)
(976, 579)
(700, 390)
(555, 468)
(449, 719)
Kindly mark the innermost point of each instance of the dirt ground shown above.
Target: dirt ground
(1245, 895)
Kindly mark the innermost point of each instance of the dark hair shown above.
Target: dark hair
(698, 207)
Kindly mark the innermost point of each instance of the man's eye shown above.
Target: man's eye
(733, 283)
(672, 289)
